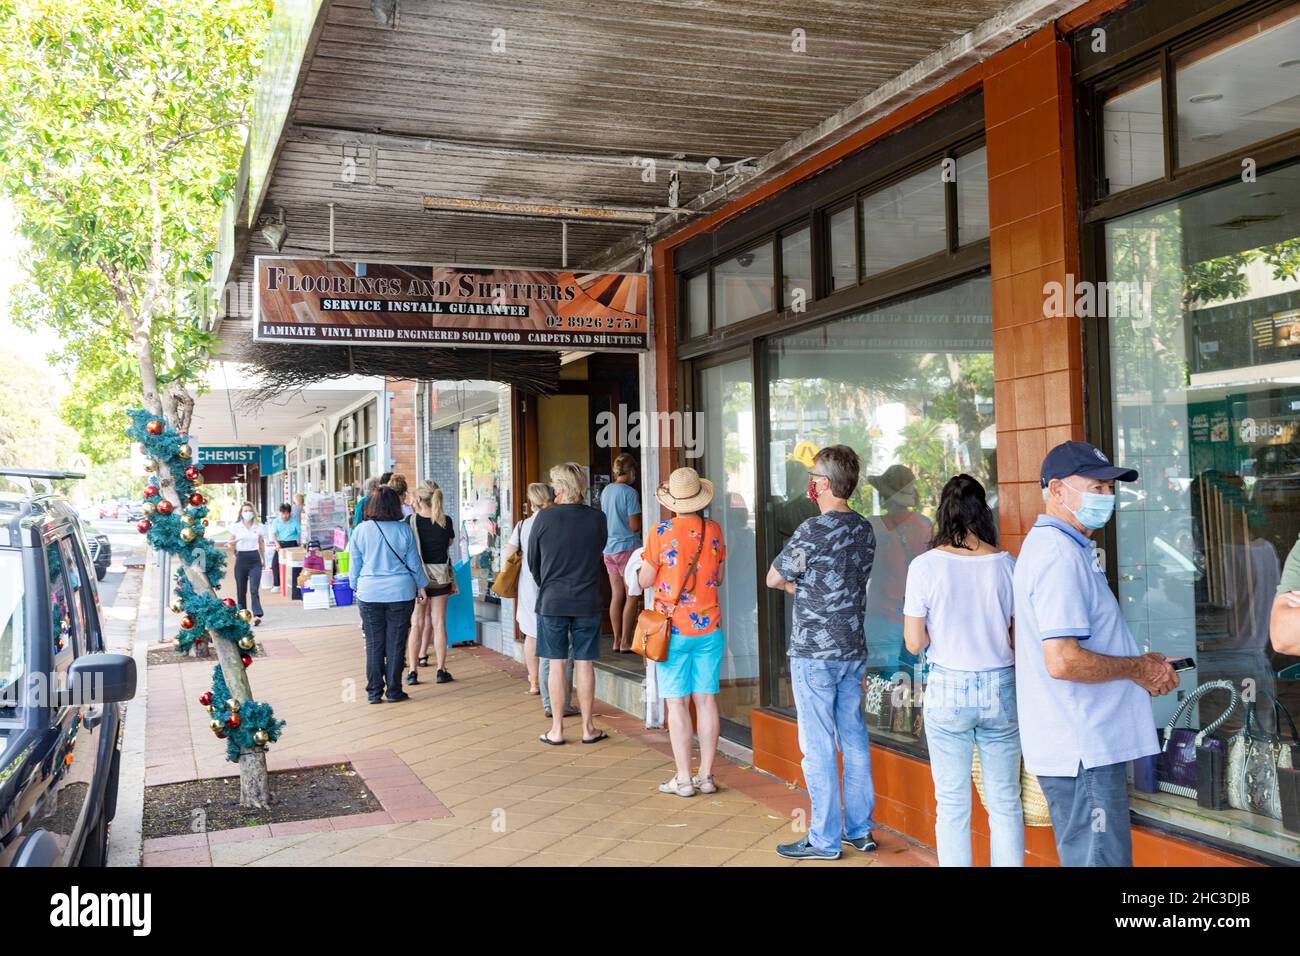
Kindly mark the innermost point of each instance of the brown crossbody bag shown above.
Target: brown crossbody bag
(653, 628)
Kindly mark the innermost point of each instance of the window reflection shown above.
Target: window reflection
(1133, 133)
(905, 221)
(909, 386)
(742, 286)
(729, 462)
(1206, 399)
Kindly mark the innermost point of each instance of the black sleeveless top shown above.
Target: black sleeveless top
(434, 539)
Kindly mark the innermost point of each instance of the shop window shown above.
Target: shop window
(482, 476)
(1240, 89)
(796, 268)
(13, 627)
(1133, 132)
(742, 286)
(1206, 405)
(972, 196)
(841, 245)
(729, 462)
(697, 305)
(905, 221)
(906, 384)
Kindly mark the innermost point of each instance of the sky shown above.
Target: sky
(32, 346)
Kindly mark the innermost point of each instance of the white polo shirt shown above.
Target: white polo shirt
(1061, 591)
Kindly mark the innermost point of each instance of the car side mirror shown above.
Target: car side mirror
(102, 678)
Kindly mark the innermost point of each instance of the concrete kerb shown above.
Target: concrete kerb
(126, 832)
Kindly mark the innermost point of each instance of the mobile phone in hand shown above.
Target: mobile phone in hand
(1183, 663)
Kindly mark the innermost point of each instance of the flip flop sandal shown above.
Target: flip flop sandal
(554, 743)
(679, 789)
(423, 661)
(596, 739)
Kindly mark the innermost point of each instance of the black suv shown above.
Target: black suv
(60, 694)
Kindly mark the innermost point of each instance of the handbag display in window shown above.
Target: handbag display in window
(1176, 764)
(1254, 758)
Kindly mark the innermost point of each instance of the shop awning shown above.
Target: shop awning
(551, 134)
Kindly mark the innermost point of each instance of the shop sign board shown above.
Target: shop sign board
(332, 302)
(228, 455)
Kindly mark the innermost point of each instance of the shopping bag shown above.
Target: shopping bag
(460, 609)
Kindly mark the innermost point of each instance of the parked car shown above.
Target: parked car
(60, 693)
(101, 552)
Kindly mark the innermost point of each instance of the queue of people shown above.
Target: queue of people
(1025, 663)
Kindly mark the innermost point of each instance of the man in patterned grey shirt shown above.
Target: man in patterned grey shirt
(825, 566)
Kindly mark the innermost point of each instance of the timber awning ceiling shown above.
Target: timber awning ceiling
(422, 121)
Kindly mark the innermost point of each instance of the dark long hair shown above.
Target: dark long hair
(383, 504)
(963, 511)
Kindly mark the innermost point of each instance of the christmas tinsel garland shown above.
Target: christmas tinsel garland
(179, 531)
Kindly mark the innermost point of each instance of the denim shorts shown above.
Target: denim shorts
(693, 666)
(559, 638)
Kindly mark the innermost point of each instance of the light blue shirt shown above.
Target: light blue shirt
(380, 573)
(286, 530)
(619, 502)
(1061, 591)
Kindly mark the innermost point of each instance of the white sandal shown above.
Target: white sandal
(704, 784)
(680, 789)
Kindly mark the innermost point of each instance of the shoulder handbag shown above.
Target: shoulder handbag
(1176, 762)
(650, 639)
(506, 583)
(878, 701)
(1254, 758)
(439, 575)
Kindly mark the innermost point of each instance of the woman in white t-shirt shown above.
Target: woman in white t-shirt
(249, 543)
(959, 608)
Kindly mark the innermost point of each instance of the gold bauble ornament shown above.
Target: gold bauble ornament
(211, 709)
(233, 705)
(215, 725)
(261, 738)
(176, 606)
(244, 614)
(188, 535)
(183, 450)
(147, 508)
(187, 521)
(247, 643)
(176, 645)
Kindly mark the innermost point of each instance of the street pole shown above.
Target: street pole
(164, 560)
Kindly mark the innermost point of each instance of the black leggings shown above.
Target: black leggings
(248, 565)
(275, 559)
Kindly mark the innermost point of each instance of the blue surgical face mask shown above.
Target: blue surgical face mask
(1094, 509)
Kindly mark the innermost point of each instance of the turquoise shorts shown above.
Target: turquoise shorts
(693, 665)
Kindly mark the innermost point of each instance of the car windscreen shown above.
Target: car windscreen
(12, 629)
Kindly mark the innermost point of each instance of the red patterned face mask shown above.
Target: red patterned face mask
(812, 490)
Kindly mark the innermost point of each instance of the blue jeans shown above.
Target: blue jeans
(1090, 816)
(828, 701)
(964, 710)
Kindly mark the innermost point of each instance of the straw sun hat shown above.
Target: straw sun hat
(685, 491)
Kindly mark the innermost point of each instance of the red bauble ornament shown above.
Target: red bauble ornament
(191, 473)
(143, 526)
(228, 602)
(187, 623)
(150, 491)
(248, 661)
(205, 522)
(154, 427)
(232, 720)
(165, 507)
(205, 698)
(221, 736)
(197, 499)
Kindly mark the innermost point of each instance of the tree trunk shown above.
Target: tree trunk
(254, 785)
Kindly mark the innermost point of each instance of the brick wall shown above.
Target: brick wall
(442, 451)
(1033, 239)
(401, 427)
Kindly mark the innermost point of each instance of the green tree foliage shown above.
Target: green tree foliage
(121, 126)
(31, 434)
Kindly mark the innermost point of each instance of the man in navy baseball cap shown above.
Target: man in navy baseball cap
(1072, 458)
(1083, 687)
